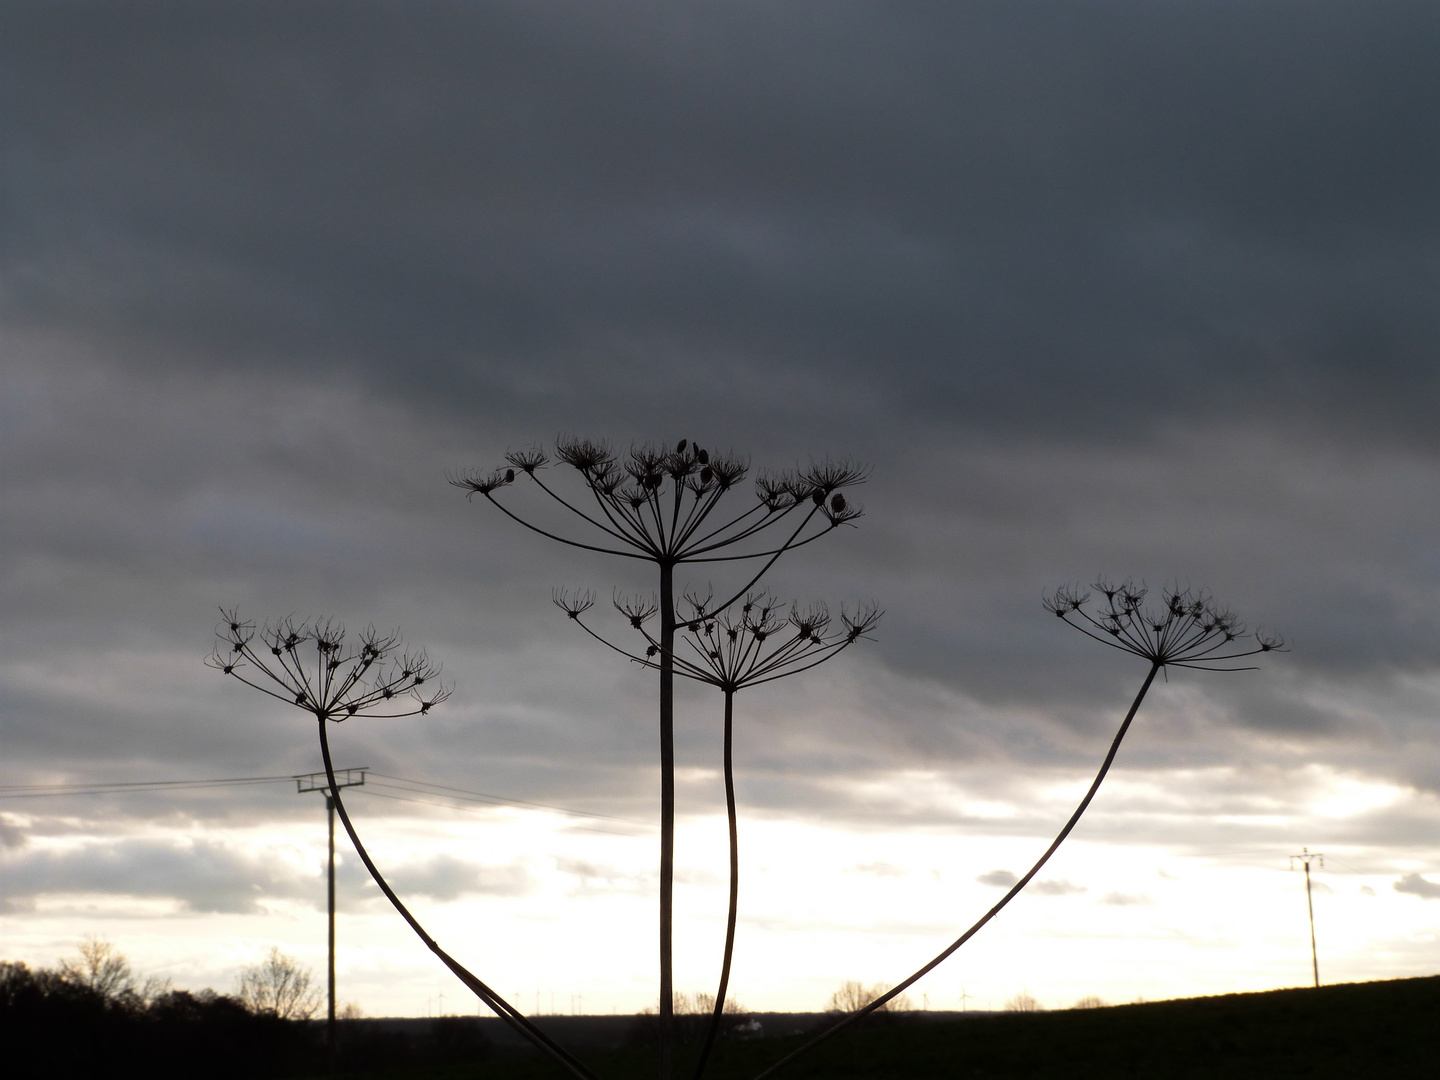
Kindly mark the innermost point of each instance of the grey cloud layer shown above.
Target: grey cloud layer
(202, 876)
(1416, 885)
(1051, 216)
(1096, 288)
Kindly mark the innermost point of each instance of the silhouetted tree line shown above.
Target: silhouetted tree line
(54, 1025)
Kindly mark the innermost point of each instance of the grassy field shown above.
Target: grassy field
(1356, 1030)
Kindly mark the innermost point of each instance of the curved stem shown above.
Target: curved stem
(560, 539)
(718, 1014)
(578, 512)
(697, 553)
(689, 542)
(499, 1005)
(1014, 891)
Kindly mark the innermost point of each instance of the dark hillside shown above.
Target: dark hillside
(1357, 1030)
(1378, 1029)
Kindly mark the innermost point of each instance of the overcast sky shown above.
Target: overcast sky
(1115, 288)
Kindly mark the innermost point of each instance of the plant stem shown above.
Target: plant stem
(1014, 891)
(499, 1005)
(667, 817)
(715, 1017)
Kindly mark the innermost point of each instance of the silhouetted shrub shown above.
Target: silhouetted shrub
(51, 1025)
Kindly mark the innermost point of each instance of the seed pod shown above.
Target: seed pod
(509, 476)
(837, 503)
(681, 448)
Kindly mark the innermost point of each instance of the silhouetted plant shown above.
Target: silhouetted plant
(663, 506)
(310, 666)
(104, 970)
(1186, 630)
(729, 651)
(852, 994)
(279, 986)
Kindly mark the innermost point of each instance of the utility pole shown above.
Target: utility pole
(319, 782)
(1306, 857)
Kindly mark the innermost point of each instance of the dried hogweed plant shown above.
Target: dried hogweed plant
(1186, 629)
(312, 667)
(747, 644)
(664, 506)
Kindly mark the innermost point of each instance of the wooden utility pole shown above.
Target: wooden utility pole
(318, 782)
(1306, 857)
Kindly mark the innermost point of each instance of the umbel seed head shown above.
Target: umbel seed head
(1186, 629)
(330, 684)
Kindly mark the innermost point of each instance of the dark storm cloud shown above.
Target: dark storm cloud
(1097, 289)
(1043, 217)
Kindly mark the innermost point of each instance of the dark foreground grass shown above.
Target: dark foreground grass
(1378, 1029)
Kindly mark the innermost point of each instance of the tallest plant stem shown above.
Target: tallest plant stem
(667, 817)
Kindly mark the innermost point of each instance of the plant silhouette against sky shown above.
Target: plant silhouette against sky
(309, 666)
(663, 506)
(728, 651)
(1186, 630)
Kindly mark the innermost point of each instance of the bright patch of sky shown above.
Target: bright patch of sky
(561, 907)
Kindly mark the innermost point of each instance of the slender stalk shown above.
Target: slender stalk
(330, 1033)
(1014, 891)
(717, 1015)
(499, 1005)
(667, 818)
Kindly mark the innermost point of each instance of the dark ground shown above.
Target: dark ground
(1357, 1030)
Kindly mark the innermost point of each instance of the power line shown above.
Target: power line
(373, 794)
(38, 791)
(503, 800)
(420, 787)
